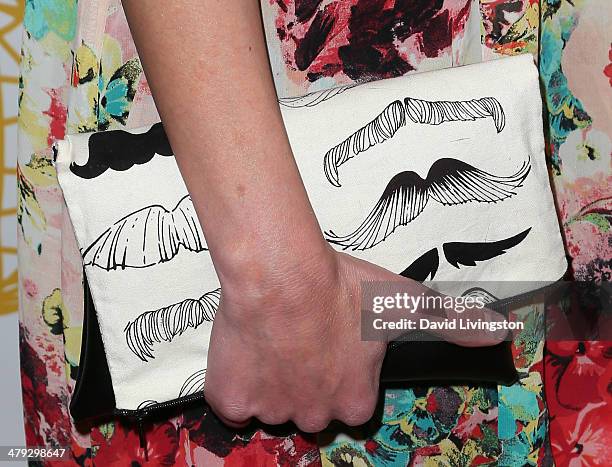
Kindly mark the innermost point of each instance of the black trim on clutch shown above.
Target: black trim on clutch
(93, 394)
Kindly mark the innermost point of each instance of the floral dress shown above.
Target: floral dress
(80, 72)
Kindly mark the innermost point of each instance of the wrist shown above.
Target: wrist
(252, 270)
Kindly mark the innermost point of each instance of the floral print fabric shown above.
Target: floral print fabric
(576, 46)
(80, 72)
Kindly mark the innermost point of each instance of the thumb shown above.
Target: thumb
(382, 282)
(477, 326)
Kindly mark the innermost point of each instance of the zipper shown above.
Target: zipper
(152, 409)
(142, 436)
(139, 417)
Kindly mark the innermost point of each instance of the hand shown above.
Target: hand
(286, 341)
(290, 349)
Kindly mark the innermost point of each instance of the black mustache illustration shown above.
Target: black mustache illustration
(460, 253)
(466, 254)
(120, 150)
(193, 384)
(313, 98)
(449, 182)
(147, 403)
(393, 117)
(478, 292)
(424, 267)
(147, 237)
(168, 322)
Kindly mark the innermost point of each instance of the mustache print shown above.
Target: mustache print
(313, 98)
(460, 253)
(395, 116)
(147, 237)
(449, 182)
(147, 403)
(120, 150)
(169, 322)
(478, 292)
(425, 266)
(193, 384)
(467, 254)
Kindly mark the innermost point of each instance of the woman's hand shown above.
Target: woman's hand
(289, 348)
(286, 341)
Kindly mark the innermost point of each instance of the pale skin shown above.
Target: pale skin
(286, 342)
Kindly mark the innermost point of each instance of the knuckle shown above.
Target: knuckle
(357, 416)
(235, 412)
(359, 410)
(313, 424)
(273, 418)
(234, 408)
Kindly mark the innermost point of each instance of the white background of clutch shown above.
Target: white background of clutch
(416, 146)
(188, 275)
(364, 178)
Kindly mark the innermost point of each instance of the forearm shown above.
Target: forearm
(207, 67)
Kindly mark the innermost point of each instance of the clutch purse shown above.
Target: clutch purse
(439, 175)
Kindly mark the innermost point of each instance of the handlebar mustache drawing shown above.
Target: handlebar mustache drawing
(449, 182)
(395, 116)
(149, 236)
(169, 322)
(460, 253)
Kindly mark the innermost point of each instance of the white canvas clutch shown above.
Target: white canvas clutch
(439, 175)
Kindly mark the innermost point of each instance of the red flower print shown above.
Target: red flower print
(470, 425)
(292, 449)
(123, 447)
(605, 382)
(252, 454)
(572, 365)
(205, 430)
(43, 410)
(58, 113)
(366, 39)
(30, 288)
(608, 69)
(585, 440)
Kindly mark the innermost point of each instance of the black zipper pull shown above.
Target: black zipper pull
(142, 436)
